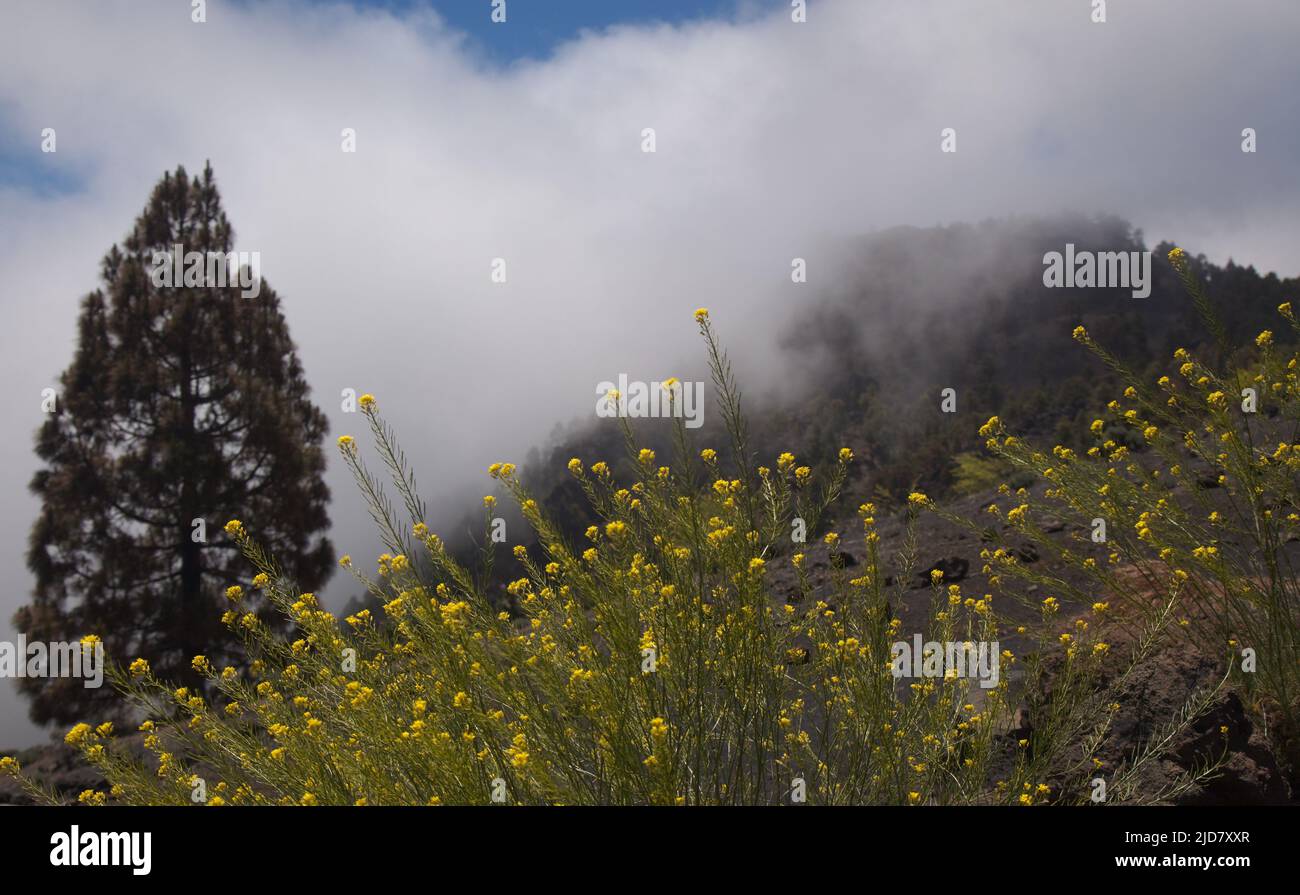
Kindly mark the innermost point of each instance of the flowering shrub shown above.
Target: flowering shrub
(1192, 490)
(658, 661)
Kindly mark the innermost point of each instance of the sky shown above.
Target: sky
(537, 27)
(524, 140)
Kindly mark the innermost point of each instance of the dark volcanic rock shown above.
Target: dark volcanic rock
(55, 765)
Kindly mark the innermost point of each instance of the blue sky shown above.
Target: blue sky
(534, 27)
(24, 167)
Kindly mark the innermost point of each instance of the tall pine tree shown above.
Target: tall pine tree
(185, 406)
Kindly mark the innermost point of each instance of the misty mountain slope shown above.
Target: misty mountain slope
(961, 307)
(918, 311)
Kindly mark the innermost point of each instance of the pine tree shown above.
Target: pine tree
(185, 406)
